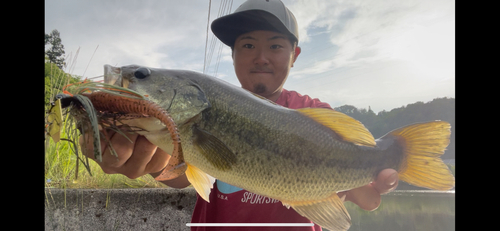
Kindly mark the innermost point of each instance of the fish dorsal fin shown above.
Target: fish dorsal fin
(348, 128)
(202, 182)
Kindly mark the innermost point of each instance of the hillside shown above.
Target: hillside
(386, 121)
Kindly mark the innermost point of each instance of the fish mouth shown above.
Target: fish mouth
(105, 103)
(113, 74)
(130, 110)
(116, 108)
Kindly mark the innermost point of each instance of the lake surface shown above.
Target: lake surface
(407, 210)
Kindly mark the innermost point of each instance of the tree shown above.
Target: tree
(348, 110)
(385, 121)
(56, 51)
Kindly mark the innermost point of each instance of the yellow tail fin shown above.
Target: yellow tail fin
(423, 145)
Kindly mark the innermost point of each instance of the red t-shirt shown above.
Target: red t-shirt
(294, 100)
(230, 204)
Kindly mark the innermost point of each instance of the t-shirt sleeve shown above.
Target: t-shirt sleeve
(294, 100)
(316, 103)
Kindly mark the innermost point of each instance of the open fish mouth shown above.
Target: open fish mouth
(112, 74)
(97, 107)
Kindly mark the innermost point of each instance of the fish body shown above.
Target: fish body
(301, 157)
(282, 153)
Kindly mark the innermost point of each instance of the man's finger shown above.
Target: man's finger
(366, 197)
(143, 152)
(158, 162)
(387, 180)
(123, 148)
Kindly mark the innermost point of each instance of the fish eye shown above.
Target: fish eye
(142, 72)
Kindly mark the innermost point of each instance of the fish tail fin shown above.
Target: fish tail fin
(423, 144)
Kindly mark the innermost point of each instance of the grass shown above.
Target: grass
(406, 212)
(61, 168)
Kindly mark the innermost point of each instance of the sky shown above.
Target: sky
(378, 54)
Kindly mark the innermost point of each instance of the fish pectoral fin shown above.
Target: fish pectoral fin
(348, 128)
(329, 213)
(214, 150)
(202, 182)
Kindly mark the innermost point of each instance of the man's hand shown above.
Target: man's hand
(368, 197)
(134, 159)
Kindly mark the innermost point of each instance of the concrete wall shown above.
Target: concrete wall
(118, 209)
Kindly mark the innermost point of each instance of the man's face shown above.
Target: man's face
(262, 60)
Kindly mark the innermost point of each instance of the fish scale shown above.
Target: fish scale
(256, 140)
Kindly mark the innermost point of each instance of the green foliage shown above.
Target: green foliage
(55, 80)
(406, 211)
(55, 53)
(61, 169)
(386, 121)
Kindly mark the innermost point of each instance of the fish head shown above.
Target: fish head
(172, 90)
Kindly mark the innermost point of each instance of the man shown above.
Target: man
(263, 36)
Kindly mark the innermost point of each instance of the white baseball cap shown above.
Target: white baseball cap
(253, 15)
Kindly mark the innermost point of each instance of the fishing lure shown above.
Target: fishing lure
(94, 104)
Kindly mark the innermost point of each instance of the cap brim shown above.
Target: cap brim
(229, 27)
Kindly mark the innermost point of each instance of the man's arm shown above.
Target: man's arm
(179, 182)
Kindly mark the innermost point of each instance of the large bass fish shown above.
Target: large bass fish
(300, 157)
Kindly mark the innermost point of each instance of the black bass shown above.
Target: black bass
(300, 157)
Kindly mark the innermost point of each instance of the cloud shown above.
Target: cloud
(367, 31)
(142, 32)
(330, 14)
(356, 52)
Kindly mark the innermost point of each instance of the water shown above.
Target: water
(407, 210)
